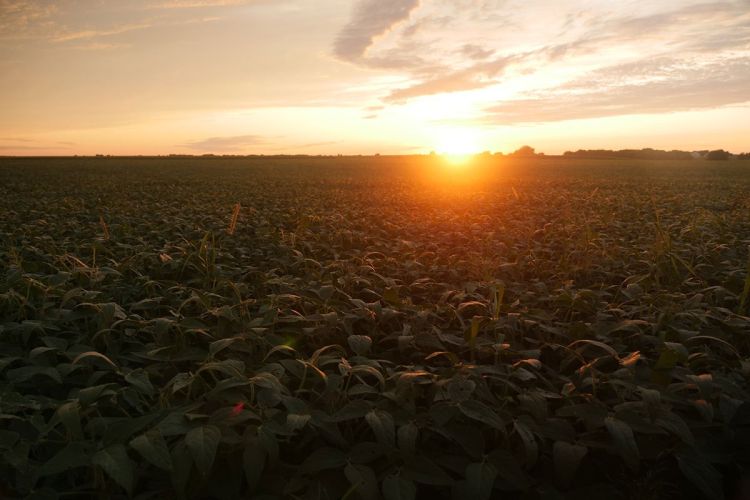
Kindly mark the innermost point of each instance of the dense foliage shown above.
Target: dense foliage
(373, 328)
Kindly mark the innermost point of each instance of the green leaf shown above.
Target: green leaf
(296, 421)
(480, 479)
(153, 448)
(139, 380)
(174, 424)
(203, 442)
(482, 413)
(624, 440)
(18, 375)
(529, 442)
(596, 343)
(323, 459)
(369, 370)
(567, 458)
(398, 488)
(182, 466)
(115, 462)
(219, 345)
(407, 437)
(363, 480)
(390, 295)
(76, 454)
(673, 423)
(471, 334)
(351, 410)
(423, 470)
(8, 439)
(498, 291)
(253, 462)
(360, 344)
(180, 381)
(89, 395)
(702, 474)
(70, 417)
(450, 355)
(382, 425)
(460, 389)
(44, 494)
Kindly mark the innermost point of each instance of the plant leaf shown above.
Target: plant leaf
(567, 458)
(363, 479)
(624, 440)
(203, 442)
(398, 488)
(480, 479)
(114, 460)
(153, 448)
(482, 413)
(702, 474)
(382, 425)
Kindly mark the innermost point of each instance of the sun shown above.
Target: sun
(457, 146)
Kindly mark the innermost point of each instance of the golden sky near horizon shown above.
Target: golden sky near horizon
(371, 76)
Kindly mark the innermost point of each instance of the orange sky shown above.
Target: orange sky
(371, 76)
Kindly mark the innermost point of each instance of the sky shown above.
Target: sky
(371, 76)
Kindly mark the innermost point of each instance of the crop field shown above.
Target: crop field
(374, 327)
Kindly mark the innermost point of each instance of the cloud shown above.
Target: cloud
(474, 51)
(474, 77)
(25, 18)
(370, 19)
(664, 88)
(87, 34)
(315, 144)
(62, 22)
(5, 147)
(197, 4)
(27, 144)
(689, 31)
(226, 144)
(102, 33)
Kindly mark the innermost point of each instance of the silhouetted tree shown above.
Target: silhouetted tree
(718, 155)
(640, 154)
(524, 151)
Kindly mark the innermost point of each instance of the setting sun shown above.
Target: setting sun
(457, 142)
(457, 146)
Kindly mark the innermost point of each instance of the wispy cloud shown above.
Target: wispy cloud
(628, 46)
(370, 19)
(120, 30)
(25, 144)
(198, 4)
(664, 88)
(226, 144)
(87, 34)
(25, 18)
(474, 77)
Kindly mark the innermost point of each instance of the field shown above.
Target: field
(384, 327)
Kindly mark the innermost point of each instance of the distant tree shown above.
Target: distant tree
(524, 151)
(639, 154)
(718, 155)
(743, 156)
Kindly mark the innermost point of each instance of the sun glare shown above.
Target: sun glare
(457, 146)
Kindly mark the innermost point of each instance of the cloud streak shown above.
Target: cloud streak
(371, 18)
(226, 144)
(670, 89)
